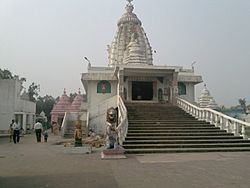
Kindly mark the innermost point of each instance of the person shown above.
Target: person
(16, 131)
(55, 128)
(45, 135)
(11, 131)
(38, 130)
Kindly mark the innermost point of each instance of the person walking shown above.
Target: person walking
(38, 130)
(11, 130)
(45, 135)
(16, 131)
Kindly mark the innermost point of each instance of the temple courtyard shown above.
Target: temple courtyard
(31, 164)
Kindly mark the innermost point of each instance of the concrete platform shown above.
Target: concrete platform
(31, 164)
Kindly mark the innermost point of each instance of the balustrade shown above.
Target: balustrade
(231, 125)
(123, 117)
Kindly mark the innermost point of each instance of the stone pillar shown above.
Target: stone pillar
(120, 87)
(24, 122)
(174, 88)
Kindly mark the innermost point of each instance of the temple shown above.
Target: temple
(131, 74)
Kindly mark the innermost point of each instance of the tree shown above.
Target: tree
(243, 104)
(45, 104)
(33, 91)
(5, 74)
(72, 96)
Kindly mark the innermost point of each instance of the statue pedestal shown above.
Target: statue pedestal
(85, 149)
(117, 153)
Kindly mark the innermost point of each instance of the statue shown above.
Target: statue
(78, 135)
(111, 129)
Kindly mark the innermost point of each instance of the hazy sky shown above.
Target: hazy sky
(45, 40)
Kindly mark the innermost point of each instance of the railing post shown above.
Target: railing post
(235, 129)
(228, 129)
(216, 120)
(243, 131)
(221, 123)
(211, 118)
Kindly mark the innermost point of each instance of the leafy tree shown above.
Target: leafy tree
(243, 104)
(5, 74)
(72, 96)
(33, 91)
(45, 104)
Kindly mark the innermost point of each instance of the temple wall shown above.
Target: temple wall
(7, 98)
(96, 98)
(190, 94)
(98, 103)
(97, 115)
(11, 104)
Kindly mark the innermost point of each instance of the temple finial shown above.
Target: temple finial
(129, 1)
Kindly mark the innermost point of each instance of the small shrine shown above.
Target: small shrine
(77, 102)
(206, 100)
(59, 109)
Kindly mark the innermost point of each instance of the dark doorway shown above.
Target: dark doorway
(142, 90)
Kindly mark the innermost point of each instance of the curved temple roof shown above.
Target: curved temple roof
(130, 45)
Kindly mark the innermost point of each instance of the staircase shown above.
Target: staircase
(161, 128)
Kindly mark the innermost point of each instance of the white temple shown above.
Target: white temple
(206, 100)
(130, 73)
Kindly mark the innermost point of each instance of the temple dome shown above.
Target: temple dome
(124, 49)
(63, 105)
(206, 100)
(77, 102)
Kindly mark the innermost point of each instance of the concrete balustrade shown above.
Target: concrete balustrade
(123, 117)
(231, 125)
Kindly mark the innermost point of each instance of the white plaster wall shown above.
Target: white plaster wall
(96, 98)
(97, 114)
(98, 103)
(7, 100)
(11, 104)
(25, 106)
(190, 95)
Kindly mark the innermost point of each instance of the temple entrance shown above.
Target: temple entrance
(142, 90)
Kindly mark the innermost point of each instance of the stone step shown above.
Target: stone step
(186, 150)
(186, 145)
(179, 134)
(165, 121)
(182, 137)
(173, 128)
(185, 141)
(177, 131)
(171, 125)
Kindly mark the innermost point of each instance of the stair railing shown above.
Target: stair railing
(224, 122)
(123, 118)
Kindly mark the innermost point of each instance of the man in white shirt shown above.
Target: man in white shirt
(16, 131)
(38, 129)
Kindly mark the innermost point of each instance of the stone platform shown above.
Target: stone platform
(85, 149)
(117, 153)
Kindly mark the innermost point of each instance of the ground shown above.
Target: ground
(39, 165)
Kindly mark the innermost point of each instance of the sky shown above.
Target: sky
(46, 41)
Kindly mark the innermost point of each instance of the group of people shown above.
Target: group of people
(15, 129)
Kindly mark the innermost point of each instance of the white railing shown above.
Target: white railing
(123, 117)
(231, 125)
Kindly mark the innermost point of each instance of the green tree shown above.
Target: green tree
(243, 104)
(45, 104)
(33, 91)
(72, 96)
(5, 74)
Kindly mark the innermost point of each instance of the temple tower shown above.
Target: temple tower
(130, 45)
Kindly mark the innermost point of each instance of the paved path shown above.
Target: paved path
(40, 165)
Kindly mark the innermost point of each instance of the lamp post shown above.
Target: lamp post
(89, 64)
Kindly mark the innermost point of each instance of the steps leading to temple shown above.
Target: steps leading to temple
(160, 128)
